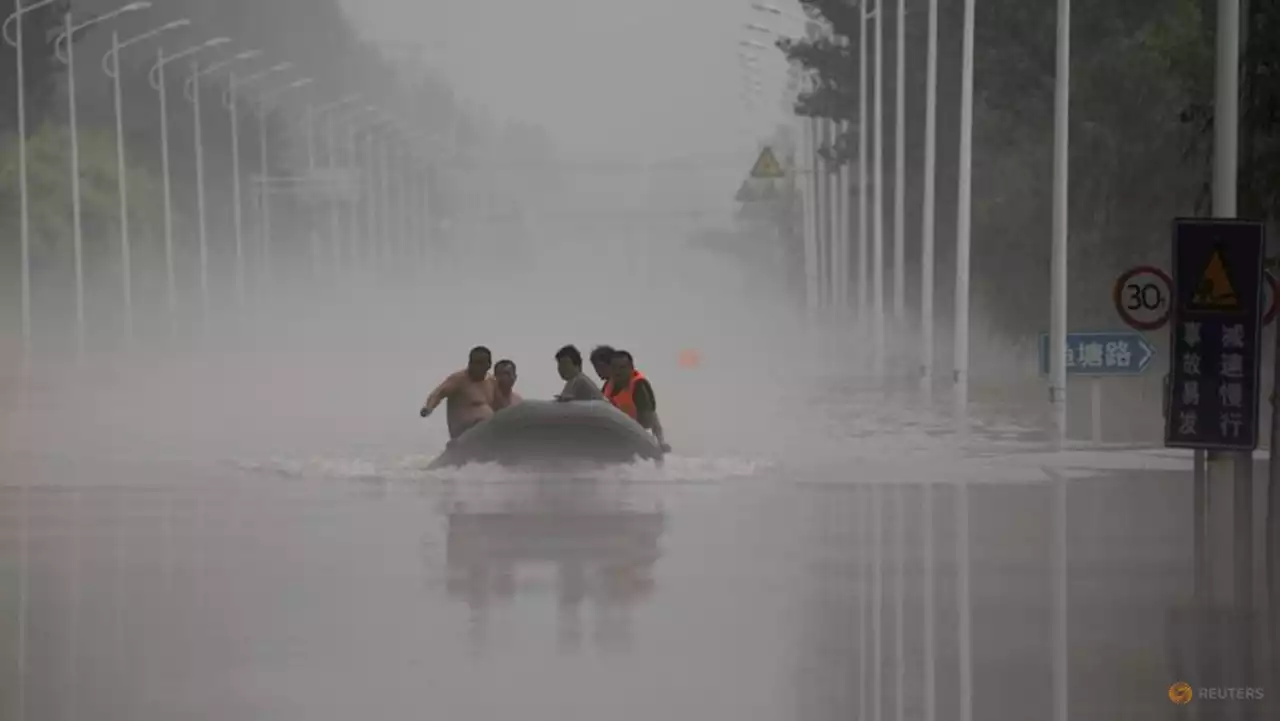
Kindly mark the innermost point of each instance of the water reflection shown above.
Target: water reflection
(601, 547)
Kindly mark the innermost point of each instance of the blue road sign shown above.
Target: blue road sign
(1102, 353)
(1216, 340)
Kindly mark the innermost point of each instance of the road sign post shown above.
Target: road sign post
(1214, 349)
(1097, 355)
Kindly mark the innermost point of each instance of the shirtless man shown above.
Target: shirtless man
(504, 377)
(469, 392)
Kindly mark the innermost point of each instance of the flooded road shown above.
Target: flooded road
(702, 589)
(250, 534)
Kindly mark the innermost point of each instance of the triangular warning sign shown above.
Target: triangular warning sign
(767, 165)
(1215, 292)
(746, 193)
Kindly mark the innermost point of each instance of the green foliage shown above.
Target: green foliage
(1141, 126)
(49, 188)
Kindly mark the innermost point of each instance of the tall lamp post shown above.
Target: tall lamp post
(351, 120)
(314, 113)
(64, 49)
(192, 91)
(157, 80)
(229, 101)
(265, 182)
(111, 66)
(379, 189)
(24, 223)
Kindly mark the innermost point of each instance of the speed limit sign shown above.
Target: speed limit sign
(1142, 297)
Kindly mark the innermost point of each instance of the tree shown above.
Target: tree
(49, 181)
(1135, 68)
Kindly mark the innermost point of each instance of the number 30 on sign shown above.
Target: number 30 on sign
(1141, 297)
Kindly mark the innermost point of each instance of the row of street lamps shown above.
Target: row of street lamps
(361, 121)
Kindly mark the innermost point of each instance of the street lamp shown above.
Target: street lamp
(229, 102)
(335, 226)
(157, 80)
(264, 184)
(24, 223)
(111, 66)
(68, 58)
(191, 89)
(808, 182)
(350, 119)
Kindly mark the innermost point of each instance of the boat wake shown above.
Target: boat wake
(674, 469)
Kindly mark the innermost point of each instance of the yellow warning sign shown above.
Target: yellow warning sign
(1215, 291)
(767, 165)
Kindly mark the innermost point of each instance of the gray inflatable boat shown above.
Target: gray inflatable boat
(542, 433)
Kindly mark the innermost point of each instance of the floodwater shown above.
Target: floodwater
(251, 535)
(716, 587)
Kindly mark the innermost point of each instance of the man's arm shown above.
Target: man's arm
(647, 410)
(447, 387)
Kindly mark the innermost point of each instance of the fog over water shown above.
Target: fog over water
(235, 520)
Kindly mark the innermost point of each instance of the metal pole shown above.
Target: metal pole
(1225, 168)
(264, 198)
(928, 226)
(388, 237)
(1060, 602)
(122, 184)
(24, 222)
(900, 601)
(810, 219)
(899, 176)
(963, 222)
(352, 154)
(77, 232)
(964, 625)
(846, 230)
(836, 234)
(863, 269)
(202, 225)
(822, 217)
(877, 211)
(930, 659)
(311, 169)
(371, 205)
(864, 604)
(171, 283)
(1058, 283)
(233, 109)
(877, 603)
(335, 222)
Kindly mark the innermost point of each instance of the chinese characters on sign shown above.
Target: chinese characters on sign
(1092, 354)
(1105, 353)
(1215, 344)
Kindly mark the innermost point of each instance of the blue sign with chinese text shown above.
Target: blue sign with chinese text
(1216, 339)
(1104, 353)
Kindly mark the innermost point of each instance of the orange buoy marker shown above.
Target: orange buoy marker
(690, 358)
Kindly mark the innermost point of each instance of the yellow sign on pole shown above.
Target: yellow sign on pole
(1215, 290)
(767, 165)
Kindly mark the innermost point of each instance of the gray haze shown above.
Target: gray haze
(642, 81)
(235, 520)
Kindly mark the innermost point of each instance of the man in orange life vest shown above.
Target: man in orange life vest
(630, 392)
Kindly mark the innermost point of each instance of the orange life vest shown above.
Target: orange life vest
(624, 400)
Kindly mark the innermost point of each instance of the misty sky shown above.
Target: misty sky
(645, 79)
